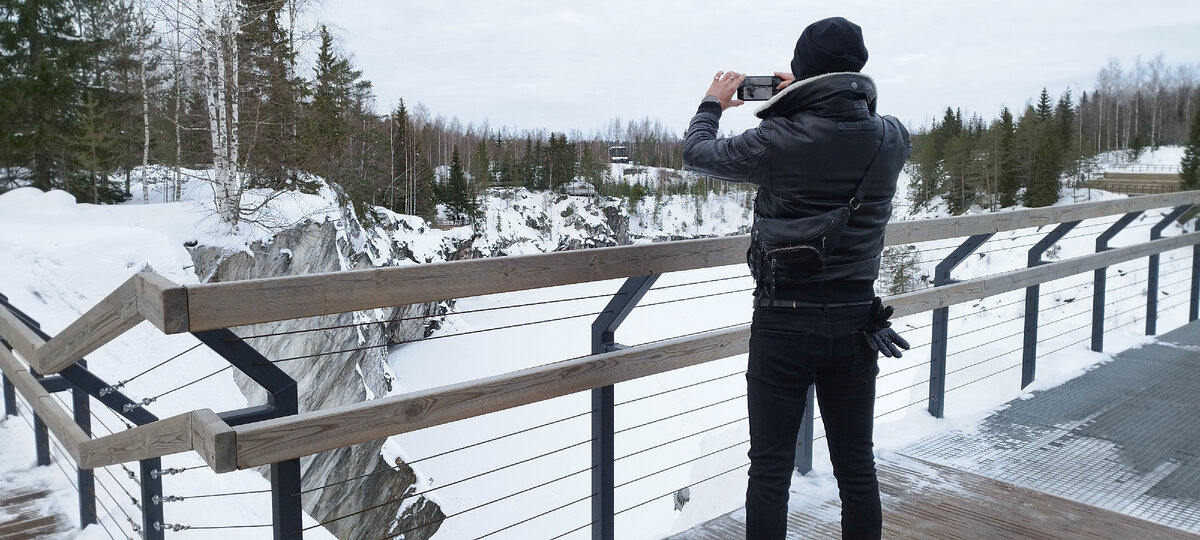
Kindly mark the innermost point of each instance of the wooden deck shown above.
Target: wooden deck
(24, 515)
(923, 500)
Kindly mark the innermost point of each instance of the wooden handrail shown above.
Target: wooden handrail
(201, 430)
(144, 296)
(238, 303)
(296, 436)
(911, 232)
(57, 419)
(23, 340)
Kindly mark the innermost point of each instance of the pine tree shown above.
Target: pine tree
(926, 167)
(561, 161)
(1045, 108)
(401, 170)
(328, 124)
(1008, 180)
(960, 180)
(1189, 166)
(456, 193)
(42, 93)
(270, 96)
(481, 165)
(91, 151)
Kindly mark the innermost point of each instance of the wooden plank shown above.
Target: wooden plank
(911, 232)
(222, 305)
(280, 439)
(115, 314)
(28, 513)
(214, 440)
(162, 438)
(162, 302)
(974, 289)
(58, 421)
(25, 341)
(238, 303)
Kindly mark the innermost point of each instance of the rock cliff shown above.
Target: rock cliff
(341, 359)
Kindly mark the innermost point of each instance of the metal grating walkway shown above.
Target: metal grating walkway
(1123, 437)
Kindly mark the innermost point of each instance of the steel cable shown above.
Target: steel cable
(132, 499)
(527, 520)
(431, 338)
(414, 318)
(576, 529)
(676, 389)
(693, 484)
(471, 311)
(693, 460)
(701, 432)
(689, 411)
(410, 495)
(476, 507)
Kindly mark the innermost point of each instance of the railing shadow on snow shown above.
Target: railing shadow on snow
(36, 365)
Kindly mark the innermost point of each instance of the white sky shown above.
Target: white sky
(563, 65)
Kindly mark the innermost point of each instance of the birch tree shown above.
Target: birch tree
(215, 23)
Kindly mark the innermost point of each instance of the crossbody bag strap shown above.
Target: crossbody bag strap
(856, 201)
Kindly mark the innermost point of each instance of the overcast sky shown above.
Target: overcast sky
(566, 65)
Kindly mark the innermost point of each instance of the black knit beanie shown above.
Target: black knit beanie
(829, 46)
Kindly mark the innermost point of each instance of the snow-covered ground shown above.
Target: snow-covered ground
(58, 258)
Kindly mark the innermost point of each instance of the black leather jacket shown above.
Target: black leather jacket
(808, 156)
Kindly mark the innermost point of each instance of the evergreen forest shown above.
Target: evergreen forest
(94, 93)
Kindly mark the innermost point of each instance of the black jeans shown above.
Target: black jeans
(790, 349)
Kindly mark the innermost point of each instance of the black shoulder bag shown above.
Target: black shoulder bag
(784, 247)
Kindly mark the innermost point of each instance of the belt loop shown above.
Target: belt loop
(793, 304)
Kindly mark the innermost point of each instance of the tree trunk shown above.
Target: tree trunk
(145, 104)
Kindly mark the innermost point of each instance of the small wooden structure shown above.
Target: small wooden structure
(580, 189)
(618, 154)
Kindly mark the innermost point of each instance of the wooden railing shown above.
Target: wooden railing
(173, 308)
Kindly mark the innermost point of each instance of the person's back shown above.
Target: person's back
(820, 147)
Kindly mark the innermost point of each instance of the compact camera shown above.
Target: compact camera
(759, 88)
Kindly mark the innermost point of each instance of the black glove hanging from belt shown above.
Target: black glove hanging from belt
(880, 335)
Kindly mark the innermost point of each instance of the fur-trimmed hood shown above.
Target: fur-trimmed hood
(821, 91)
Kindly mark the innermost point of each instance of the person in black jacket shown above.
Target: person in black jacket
(816, 325)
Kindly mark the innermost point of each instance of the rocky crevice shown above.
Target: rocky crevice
(336, 360)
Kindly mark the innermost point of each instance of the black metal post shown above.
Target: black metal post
(1194, 301)
(804, 439)
(603, 463)
(604, 330)
(1100, 281)
(287, 512)
(152, 503)
(286, 509)
(87, 478)
(941, 324)
(1152, 279)
(1032, 297)
(41, 441)
(10, 397)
